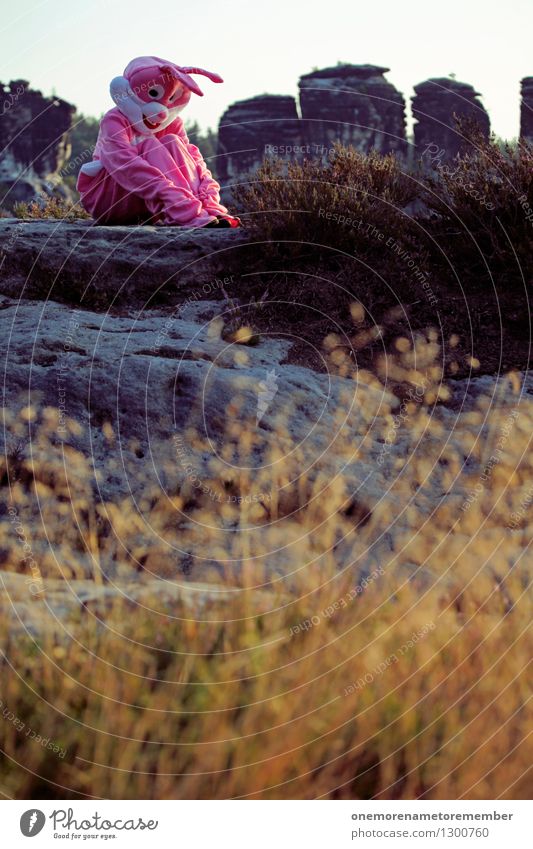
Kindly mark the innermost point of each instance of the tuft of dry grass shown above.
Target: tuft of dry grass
(447, 244)
(52, 207)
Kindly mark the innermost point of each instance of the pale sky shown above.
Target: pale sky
(77, 46)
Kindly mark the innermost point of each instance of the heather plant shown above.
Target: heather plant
(471, 218)
(446, 244)
(482, 205)
(331, 206)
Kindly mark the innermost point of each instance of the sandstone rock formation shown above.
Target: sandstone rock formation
(354, 105)
(252, 129)
(351, 104)
(33, 141)
(526, 110)
(435, 104)
(154, 377)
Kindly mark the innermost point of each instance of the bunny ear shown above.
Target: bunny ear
(188, 81)
(183, 78)
(183, 75)
(215, 78)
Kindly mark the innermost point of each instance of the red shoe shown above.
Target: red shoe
(229, 221)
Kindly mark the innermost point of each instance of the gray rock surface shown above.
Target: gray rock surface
(153, 397)
(61, 608)
(154, 374)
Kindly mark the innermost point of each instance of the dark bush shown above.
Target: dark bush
(482, 207)
(335, 204)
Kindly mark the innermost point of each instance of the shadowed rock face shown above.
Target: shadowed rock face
(33, 141)
(80, 263)
(354, 105)
(435, 104)
(526, 110)
(251, 129)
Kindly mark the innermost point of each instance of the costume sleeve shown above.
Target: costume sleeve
(136, 175)
(209, 191)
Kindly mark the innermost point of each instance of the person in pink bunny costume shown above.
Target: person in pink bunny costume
(144, 169)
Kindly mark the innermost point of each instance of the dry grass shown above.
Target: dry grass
(229, 697)
(52, 207)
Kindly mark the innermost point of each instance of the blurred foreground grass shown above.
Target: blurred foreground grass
(330, 681)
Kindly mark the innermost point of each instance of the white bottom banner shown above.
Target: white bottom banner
(267, 824)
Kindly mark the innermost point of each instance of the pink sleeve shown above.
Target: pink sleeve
(135, 174)
(209, 188)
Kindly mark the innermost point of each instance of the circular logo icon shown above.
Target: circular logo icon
(32, 822)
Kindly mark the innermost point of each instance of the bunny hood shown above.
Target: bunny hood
(152, 92)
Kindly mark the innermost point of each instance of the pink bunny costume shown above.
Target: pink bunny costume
(144, 169)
